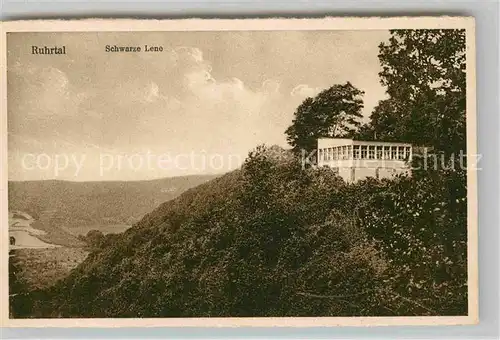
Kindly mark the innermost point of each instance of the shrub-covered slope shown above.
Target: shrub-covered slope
(273, 239)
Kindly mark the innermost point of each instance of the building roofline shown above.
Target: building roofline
(366, 142)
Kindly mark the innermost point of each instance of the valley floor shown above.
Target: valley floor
(40, 253)
(41, 268)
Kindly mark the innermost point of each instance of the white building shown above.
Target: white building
(354, 160)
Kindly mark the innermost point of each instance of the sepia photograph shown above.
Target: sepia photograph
(251, 172)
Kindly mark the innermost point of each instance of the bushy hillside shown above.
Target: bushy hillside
(96, 203)
(273, 239)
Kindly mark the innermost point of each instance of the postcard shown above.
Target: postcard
(246, 172)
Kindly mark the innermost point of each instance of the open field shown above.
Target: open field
(55, 234)
(41, 268)
(105, 229)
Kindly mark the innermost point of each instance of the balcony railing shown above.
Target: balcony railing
(354, 152)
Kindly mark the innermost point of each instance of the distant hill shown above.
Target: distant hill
(70, 204)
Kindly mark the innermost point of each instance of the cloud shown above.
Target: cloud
(304, 91)
(271, 86)
(43, 91)
(152, 92)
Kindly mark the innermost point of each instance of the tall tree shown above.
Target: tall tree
(334, 112)
(424, 72)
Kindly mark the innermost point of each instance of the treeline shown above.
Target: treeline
(424, 73)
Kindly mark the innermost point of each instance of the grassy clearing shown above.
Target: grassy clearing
(105, 229)
(41, 268)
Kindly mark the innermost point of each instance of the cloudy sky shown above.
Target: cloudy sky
(197, 107)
